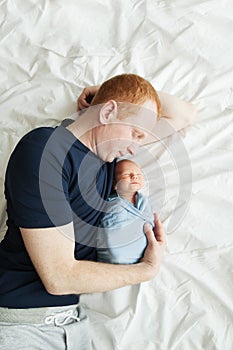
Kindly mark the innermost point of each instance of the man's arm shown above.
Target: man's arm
(52, 253)
(176, 115)
(177, 112)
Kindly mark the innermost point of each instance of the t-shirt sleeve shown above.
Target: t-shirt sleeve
(36, 186)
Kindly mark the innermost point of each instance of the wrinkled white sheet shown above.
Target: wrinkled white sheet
(50, 50)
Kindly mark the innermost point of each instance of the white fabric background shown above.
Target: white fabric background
(49, 51)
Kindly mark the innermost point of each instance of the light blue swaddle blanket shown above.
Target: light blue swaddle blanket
(120, 237)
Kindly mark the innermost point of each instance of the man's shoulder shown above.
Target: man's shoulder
(38, 135)
(53, 139)
(27, 154)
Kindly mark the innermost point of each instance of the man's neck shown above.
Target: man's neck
(83, 129)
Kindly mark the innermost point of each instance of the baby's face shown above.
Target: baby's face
(128, 177)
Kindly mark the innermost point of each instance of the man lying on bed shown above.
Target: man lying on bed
(57, 181)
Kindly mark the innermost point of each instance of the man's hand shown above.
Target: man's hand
(153, 255)
(86, 97)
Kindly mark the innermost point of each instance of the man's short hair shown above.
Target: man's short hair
(127, 88)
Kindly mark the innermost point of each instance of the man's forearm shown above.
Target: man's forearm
(90, 277)
(177, 112)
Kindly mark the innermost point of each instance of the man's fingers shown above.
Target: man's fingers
(147, 227)
(86, 97)
(82, 105)
(158, 230)
(82, 100)
(149, 233)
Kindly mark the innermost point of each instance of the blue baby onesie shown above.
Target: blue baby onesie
(120, 237)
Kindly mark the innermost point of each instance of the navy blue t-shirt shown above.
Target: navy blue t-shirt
(52, 179)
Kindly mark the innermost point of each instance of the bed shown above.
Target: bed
(49, 51)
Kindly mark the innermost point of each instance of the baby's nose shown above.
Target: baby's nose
(134, 176)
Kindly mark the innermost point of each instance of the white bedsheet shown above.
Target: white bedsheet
(50, 50)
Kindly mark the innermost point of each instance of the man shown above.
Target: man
(57, 181)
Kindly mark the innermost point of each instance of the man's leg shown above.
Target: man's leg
(65, 328)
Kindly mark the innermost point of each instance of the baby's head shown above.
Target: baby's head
(128, 177)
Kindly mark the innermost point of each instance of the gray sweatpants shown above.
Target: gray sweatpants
(54, 328)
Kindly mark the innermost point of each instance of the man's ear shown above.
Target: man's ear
(108, 112)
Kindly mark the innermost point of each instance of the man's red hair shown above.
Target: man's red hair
(127, 88)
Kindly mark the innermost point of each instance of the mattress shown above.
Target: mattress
(51, 50)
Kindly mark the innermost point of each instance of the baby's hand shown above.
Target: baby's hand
(86, 97)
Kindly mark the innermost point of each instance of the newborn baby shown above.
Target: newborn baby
(121, 238)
